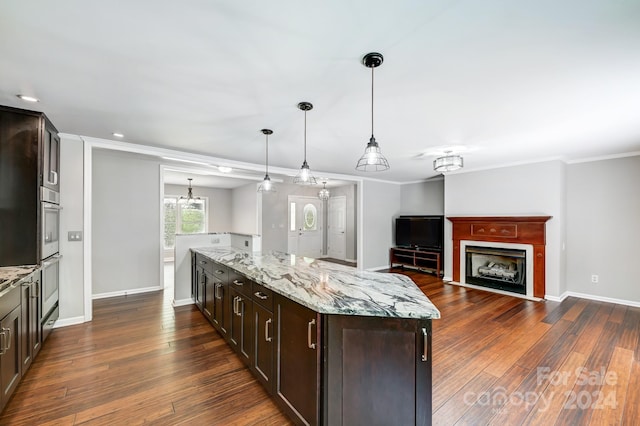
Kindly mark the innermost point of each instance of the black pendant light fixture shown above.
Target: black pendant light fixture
(304, 177)
(189, 198)
(266, 185)
(324, 193)
(372, 160)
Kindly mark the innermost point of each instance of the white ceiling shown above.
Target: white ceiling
(510, 81)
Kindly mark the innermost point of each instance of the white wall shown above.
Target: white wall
(71, 219)
(527, 190)
(381, 203)
(125, 223)
(603, 228)
(244, 209)
(422, 198)
(219, 204)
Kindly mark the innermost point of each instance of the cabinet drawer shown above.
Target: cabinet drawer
(240, 283)
(220, 271)
(262, 296)
(204, 263)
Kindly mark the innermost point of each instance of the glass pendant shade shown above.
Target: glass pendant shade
(304, 176)
(324, 193)
(266, 186)
(372, 160)
(448, 163)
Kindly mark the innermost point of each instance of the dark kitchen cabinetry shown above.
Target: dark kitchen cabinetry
(241, 328)
(221, 314)
(10, 333)
(31, 333)
(29, 159)
(264, 328)
(298, 357)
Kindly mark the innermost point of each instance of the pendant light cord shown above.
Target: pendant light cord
(372, 68)
(267, 157)
(305, 136)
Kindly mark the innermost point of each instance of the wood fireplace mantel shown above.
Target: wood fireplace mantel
(505, 229)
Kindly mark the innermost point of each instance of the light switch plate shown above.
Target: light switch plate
(75, 236)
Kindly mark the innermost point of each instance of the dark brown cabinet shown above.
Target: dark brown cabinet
(10, 356)
(31, 333)
(298, 355)
(240, 335)
(264, 328)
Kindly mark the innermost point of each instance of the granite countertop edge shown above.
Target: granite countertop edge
(328, 288)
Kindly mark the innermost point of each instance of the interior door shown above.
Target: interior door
(337, 227)
(305, 226)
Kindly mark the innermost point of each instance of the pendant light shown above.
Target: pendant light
(324, 194)
(266, 185)
(189, 198)
(372, 160)
(304, 177)
(448, 163)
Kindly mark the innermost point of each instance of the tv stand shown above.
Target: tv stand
(424, 259)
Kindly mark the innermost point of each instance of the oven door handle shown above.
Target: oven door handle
(53, 260)
(51, 206)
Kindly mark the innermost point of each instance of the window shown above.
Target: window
(181, 217)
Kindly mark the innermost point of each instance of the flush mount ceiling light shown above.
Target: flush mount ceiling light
(304, 176)
(189, 198)
(372, 160)
(225, 169)
(118, 135)
(448, 163)
(28, 98)
(324, 193)
(266, 185)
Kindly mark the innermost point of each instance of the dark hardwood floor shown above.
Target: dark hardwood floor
(496, 360)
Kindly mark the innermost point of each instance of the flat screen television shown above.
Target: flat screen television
(420, 232)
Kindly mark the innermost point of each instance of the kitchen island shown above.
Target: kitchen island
(332, 344)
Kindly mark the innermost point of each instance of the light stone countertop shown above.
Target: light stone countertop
(12, 275)
(328, 288)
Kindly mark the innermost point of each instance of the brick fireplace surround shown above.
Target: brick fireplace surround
(504, 229)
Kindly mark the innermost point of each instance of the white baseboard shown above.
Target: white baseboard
(351, 260)
(599, 298)
(183, 302)
(65, 322)
(126, 292)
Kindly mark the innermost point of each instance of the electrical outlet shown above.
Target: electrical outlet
(215, 240)
(594, 278)
(246, 243)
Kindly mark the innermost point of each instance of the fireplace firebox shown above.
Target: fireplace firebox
(498, 268)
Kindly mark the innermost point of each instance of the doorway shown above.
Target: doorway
(337, 227)
(305, 226)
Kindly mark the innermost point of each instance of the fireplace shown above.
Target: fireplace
(498, 268)
(511, 233)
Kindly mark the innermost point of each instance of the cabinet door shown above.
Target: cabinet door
(378, 371)
(221, 307)
(263, 345)
(241, 330)
(10, 359)
(201, 278)
(209, 299)
(298, 350)
(31, 332)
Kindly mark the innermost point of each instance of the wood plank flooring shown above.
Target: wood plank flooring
(496, 360)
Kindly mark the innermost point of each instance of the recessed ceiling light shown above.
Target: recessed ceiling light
(225, 169)
(28, 98)
(118, 135)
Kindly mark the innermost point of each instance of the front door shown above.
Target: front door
(305, 226)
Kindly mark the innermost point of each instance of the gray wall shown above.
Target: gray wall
(527, 190)
(381, 203)
(422, 198)
(244, 209)
(125, 222)
(603, 228)
(219, 204)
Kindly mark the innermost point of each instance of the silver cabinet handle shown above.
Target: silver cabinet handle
(425, 347)
(202, 262)
(239, 313)
(218, 287)
(55, 177)
(266, 331)
(3, 338)
(309, 343)
(9, 339)
(260, 295)
(236, 282)
(235, 305)
(219, 272)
